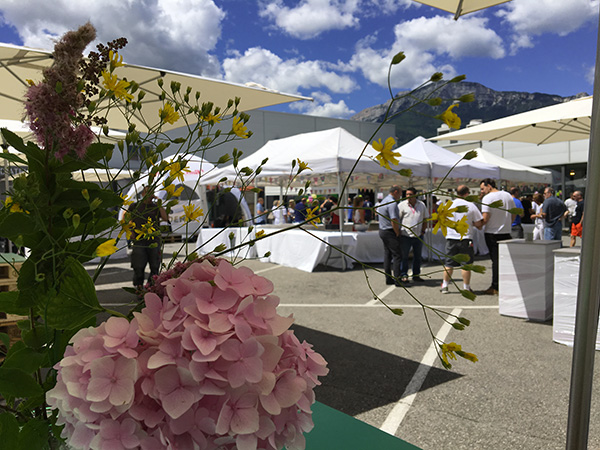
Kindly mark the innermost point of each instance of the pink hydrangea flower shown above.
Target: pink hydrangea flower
(208, 363)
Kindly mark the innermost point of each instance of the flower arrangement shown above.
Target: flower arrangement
(208, 365)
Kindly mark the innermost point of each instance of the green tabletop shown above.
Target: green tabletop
(335, 430)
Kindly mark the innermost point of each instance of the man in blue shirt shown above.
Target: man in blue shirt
(300, 211)
(553, 210)
(516, 231)
(261, 216)
(389, 232)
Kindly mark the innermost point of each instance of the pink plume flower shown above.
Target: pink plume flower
(207, 363)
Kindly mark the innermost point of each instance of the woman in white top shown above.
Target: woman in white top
(538, 231)
(279, 213)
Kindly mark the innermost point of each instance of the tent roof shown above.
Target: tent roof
(18, 64)
(568, 121)
(442, 161)
(512, 171)
(329, 151)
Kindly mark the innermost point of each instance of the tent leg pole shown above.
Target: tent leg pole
(588, 295)
(341, 220)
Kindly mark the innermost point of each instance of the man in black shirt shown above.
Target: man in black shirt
(146, 215)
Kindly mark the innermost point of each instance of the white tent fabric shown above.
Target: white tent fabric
(442, 161)
(328, 152)
(569, 121)
(461, 7)
(18, 64)
(512, 171)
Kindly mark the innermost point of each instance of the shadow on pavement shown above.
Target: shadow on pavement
(362, 378)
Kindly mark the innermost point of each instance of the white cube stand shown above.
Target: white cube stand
(566, 282)
(526, 278)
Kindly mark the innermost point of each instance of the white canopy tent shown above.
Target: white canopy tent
(444, 163)
(512, 171)
(329, 153)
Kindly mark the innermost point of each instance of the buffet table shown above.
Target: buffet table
(209, 238)
(304, 251)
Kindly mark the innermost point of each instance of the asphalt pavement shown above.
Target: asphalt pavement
(383, 370)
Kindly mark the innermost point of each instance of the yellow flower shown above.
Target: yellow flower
(386, 155)
(469, 356)
(106, 248)
(172, 192)
(442, 216)
(146, 231)
(177, 171)
(450, 118)
(126, 200)
(212, 118)
(461, 227)
(116, 86)
(311, 215)
(13, 206)
(260, 234)
(127, 228)
(116, 60)
(302, 165)
(239, 129)
(30, 82)
(168, 114)
(192, 212)
(448, 351)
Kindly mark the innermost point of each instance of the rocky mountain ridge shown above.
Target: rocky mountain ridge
(488, 105)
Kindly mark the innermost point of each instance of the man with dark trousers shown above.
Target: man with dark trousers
(389, 232)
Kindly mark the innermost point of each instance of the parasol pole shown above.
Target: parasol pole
(588, 295)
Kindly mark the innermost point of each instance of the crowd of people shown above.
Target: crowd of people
(401, 228)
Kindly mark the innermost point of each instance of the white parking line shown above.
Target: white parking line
(381, 296)
(395, 417)
(368, 305)
(109, 286)
(267, 269)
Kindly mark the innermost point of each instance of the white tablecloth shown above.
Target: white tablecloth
(209, 238)
(296, 248)
(438, 242)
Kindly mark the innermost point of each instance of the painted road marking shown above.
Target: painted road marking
(396, 416)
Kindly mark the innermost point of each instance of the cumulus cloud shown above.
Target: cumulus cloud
(530, 18)
(175, 34)
(323, 106)
(311, 17)
(425, 42)
(289, 75)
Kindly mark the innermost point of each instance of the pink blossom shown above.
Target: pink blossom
(207, 365)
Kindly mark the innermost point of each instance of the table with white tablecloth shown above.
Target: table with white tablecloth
(210, 238)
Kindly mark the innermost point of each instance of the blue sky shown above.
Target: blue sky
(336, 51)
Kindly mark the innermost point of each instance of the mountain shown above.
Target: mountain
(488, 105)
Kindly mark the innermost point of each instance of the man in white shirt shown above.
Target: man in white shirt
(498, 224)
(412, 213)
(457, 244)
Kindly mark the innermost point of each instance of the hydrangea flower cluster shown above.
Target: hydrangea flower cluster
(210, 365)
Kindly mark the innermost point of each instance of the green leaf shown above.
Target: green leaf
(16, 224)
(461, 258)
(12, 158)
(496, 204)
(405, 172)
(22, 357)
(474, 268)
(76, 302)
(471, 296)
(9, 303)
(34, 434)
(9, 431)
(17, 383)
(398, 311)
(5, 340)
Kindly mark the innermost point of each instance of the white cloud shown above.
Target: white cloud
(311, 17)
(530, 18)
(589, 75)
(264, 67)
(337, 110)
(174, 34)
(425, 41)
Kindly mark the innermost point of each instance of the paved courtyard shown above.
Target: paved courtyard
(384, 372)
